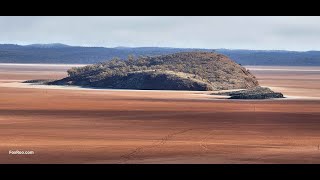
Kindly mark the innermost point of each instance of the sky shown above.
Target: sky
(298, 33)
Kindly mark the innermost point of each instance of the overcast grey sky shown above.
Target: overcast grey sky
(235, 32)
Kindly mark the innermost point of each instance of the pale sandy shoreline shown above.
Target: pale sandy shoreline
(199, 94)
(12, 72)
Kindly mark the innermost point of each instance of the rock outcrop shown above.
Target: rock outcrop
(253, 93)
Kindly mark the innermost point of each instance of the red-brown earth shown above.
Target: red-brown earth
(123, 126)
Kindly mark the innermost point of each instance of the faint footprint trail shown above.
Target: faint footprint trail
(204, 142)
(132, 154)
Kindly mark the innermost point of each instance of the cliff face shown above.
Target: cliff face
(180, 71)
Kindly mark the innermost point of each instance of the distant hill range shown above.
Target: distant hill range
(64, 54)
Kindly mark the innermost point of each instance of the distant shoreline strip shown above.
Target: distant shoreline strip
(301, 70)
(57, 65)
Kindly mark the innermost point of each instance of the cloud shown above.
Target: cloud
(292, 33)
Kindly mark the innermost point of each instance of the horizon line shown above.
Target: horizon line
(169, 47)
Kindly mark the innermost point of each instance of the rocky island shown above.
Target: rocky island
(191, 71)
(195, 71)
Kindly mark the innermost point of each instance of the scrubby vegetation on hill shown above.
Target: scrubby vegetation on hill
(179, 71)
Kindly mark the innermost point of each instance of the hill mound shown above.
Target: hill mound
(179, 71)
